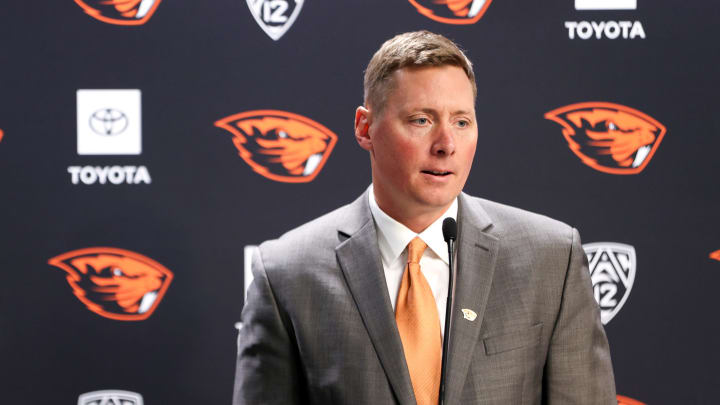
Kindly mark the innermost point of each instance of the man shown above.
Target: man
(350, 308)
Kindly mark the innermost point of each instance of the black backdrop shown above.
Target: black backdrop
(197, 62)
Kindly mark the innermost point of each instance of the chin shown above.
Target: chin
(437, 201)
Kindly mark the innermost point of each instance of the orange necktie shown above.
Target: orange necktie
(419, 326)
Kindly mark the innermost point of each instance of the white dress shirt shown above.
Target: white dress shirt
(393, 238)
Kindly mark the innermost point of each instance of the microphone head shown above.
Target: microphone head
(449, 229)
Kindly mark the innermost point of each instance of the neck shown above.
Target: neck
(419, 223)
(417, 220)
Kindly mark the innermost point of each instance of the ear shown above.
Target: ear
(362, 127)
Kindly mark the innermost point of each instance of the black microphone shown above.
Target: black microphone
(449, 229)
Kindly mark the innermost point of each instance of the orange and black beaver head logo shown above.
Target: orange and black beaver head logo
(279, 145)
(611, 138)
(715, 255)
(623, 400)
(452, 11)
(120, 12)
(115, 283)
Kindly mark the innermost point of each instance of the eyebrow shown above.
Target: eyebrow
(433, 111)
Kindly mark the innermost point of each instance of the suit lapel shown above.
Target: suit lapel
(359, 258)
(476, 255)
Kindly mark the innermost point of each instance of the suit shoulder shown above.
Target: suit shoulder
(325, 225)
(314, 241)
(509, 221)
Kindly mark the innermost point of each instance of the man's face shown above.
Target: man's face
(423, 142)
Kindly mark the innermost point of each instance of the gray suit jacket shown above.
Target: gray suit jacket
(319, 327)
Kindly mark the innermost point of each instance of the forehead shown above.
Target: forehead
(430, 87)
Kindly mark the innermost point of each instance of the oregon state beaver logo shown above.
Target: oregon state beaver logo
(612, 272)
(623, 400)
(115, 283)
(452, 11)
(120, 12)
(715, 255)
(610, 138)
(280, 145)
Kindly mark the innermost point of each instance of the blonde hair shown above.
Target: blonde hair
(411, 49)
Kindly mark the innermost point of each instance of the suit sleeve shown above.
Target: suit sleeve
(578, 368)
(268, 368)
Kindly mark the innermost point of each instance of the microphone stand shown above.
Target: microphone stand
(450, 234)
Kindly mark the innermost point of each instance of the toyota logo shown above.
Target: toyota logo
(108, 121)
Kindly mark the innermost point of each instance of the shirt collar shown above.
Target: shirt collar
(393, 236)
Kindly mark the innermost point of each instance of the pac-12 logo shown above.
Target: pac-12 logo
(120, 12)
(612, 271)
(280, 145)
(110, 397)
(248, 253)
(452, 11)
(610, 138)
(115, 283)
(275, 17)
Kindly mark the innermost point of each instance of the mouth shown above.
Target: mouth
(439, 173)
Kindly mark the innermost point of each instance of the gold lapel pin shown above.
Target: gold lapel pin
(469, 314)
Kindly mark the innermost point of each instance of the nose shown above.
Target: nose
(444, 142)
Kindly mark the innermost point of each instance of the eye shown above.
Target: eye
(612, 126)
(117, 272)
(463, 123)
(421, 121)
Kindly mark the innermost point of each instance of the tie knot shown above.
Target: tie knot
(416, 247)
